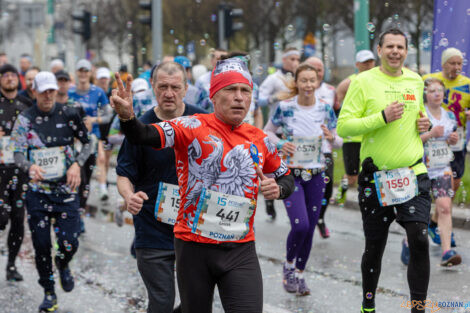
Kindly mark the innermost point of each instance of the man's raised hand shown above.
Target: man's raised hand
(121, 99)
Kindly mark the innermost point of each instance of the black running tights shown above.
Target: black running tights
(418, 268)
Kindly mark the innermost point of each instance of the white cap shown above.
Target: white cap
(44, 81)
(83, 63)
(57, 62)
(103, 72)
(139, 84)
(364, 55)
(198, 70)
(449, 53)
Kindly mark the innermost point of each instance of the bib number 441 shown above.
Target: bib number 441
(226, 215)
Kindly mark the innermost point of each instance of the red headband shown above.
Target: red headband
(228, 72)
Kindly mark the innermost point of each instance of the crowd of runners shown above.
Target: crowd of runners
(195, 153)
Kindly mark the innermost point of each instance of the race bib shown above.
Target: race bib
(168, 203)
(459, 146)
(396, 186)
(6, 151)
(223, 217)
(52, 160)
(437, 154)
(308, 150)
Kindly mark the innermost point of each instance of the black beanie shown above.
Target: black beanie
(8, 68)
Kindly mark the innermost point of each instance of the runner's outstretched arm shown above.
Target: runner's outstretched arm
(138, 133)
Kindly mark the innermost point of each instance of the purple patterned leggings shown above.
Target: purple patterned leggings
(303, 208)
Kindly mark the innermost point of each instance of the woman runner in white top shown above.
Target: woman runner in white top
(437, 157)
(308, 125)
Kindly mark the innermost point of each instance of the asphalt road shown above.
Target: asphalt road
(107, 279)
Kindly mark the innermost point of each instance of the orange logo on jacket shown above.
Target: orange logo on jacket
(409, 97)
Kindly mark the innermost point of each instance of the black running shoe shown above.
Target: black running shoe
(364, 310)
(49, 304)
(66, 279)
(324, 231)
(13, 275)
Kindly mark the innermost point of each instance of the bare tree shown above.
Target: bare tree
(419, 14)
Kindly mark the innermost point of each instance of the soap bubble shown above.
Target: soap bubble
(371, 27)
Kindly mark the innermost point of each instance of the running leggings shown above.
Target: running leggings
(303, 208)
(57, 211)
(233, 267)
(418, 267)
(329, 185)
(12, 208)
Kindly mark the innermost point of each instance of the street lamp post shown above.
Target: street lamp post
(361, 18)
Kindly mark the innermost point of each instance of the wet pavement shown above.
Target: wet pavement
(107, 279)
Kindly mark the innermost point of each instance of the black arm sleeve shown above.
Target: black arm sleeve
(287, 184)
(138, 133)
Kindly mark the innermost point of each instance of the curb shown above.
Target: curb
(460, 220)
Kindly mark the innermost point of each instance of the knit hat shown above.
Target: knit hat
(8, 68)
(449, 53)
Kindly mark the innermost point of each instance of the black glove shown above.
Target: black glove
(368, 170)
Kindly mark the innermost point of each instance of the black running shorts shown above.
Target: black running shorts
(458, 164)
(376, 218)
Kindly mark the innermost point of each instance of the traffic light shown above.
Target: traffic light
(84, 27)
(146, 19)
(230, 26)
(226, 26)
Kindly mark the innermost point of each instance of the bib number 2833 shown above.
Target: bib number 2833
(396, 186)
(437, 154)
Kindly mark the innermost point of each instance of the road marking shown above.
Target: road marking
(267, 308)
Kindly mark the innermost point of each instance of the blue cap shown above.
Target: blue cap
(184, 61)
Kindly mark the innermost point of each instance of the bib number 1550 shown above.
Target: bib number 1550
(398, 183)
